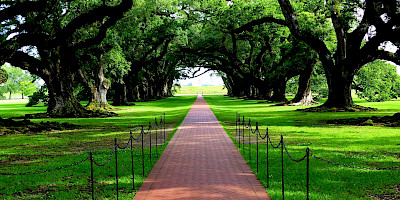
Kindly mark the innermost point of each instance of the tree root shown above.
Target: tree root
(322, 108)
(87, 114)
(391, 121)
(97, 106)
(9, 126)
(300, 103)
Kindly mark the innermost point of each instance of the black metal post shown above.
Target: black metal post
(257, 134)
(244, 124)
(236, 125)
(142, 135)
(116, 166)
(267, 159)
(239, 130)
(156, 125)
(132, 164)
(150, 141)
(164, 130)
(308, 173)
(283, 184)
(91, 174)
(250, 140)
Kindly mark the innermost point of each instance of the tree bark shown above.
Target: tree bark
(98, 89)
(120, 95)
(62, 102)
(57, 48)
(339, 89)
(279, 89)
(303, 96)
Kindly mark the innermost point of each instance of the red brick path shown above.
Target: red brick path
(201, 162)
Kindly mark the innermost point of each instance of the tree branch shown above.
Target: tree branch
(27, 62)
(249, 26)
(385, 55)
(21, 9)
(315, 43)
(9, 47)
(96, 15)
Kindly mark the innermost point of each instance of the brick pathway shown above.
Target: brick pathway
(201, 162)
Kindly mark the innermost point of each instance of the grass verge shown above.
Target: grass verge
(362, 146)
(201, 89)
(49, 150)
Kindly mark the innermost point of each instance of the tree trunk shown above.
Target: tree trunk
(120, 95)
(135, 93)
(62, 102)
(339, 89)
(264, 89)
(228, 86)
(279, 89)
(9, 96)
(304, 96)
(99, 89)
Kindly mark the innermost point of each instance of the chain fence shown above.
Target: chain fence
(244, 127)
(157, 130)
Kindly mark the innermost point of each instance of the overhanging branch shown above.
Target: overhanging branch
(27, 62)
(21, 9)
(249, 26)
(96, 15)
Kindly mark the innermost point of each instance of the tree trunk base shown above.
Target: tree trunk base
(390, 121)
(324, 108)
(9, 126)
(298, 103)
(100, 106)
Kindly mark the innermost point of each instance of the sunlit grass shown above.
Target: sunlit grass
(49, 150)
(361, 146)
(201, 89)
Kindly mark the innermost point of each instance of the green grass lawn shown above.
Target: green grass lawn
(201, 89)
(14, 96)
(51, 149)
(361, 146)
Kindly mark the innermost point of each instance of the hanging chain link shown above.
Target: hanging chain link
(131, 139)
(257, 132)
(290, 156)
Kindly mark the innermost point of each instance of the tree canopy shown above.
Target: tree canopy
(18, 81)
(378, 81)
(53, 31)
(363, 32)
(136, 49)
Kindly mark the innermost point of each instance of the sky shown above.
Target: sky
(206, 79)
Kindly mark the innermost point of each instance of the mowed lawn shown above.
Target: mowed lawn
(359, 146)
(201, 89)
(49, 150)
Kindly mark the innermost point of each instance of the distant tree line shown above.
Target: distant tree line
(128, 51)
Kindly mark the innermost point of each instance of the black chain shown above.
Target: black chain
(45, 171)
(148, 131)
(131, 139)
(275, 147)
(290, 156)
(266, 134)
(354, 167)
(109, 158)
(249, 126)
(125, 145)
(137, 137)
